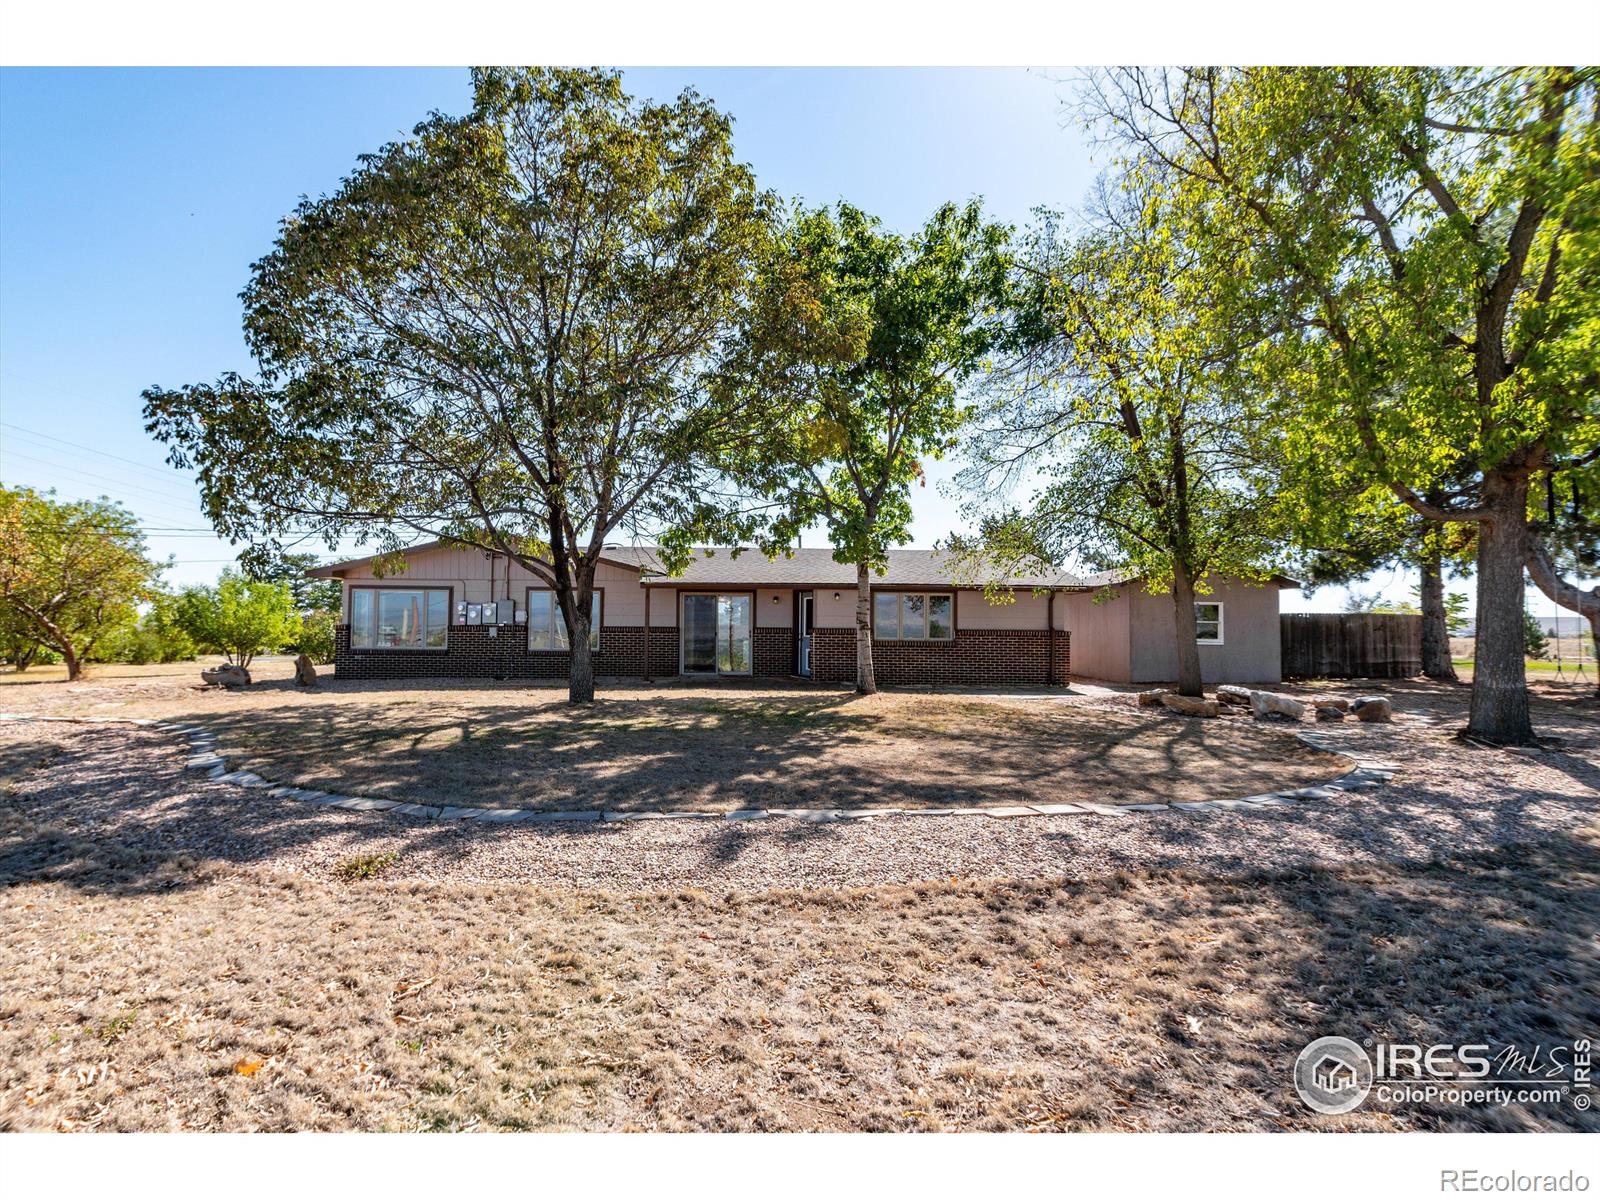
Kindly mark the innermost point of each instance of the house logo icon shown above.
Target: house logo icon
(1333, 1075)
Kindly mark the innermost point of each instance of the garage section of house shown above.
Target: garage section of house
(458, 612)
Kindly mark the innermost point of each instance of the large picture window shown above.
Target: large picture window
(547, 628)
(913, 616)
(399, 618)
(1208, 623)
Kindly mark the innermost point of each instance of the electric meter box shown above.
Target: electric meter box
(474, 614)
(461, 612)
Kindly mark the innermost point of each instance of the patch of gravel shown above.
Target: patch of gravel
(130, 786)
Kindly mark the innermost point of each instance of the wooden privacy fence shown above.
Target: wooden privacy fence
(1351, 645)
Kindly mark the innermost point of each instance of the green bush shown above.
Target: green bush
(315, 639)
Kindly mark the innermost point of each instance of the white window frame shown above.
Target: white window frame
(558, 624)
(1205, 641)
(422, 590)
(899, 616)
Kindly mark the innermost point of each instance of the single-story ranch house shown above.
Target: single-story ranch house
(459, 612)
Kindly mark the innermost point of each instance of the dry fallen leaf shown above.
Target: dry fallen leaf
(249, 1066)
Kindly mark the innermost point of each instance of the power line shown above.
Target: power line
(33, 433)
(101, 482)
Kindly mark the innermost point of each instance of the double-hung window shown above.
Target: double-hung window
(913, 616)
(547, 628)
(390, 618)
(1208, 623)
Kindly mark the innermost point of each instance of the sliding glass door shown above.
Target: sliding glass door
(715, 630)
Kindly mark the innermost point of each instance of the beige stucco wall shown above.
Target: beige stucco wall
(973, 610)
(1250, 651)
(1100, 642)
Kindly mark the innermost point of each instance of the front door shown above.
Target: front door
(804, 665)
(715, 631)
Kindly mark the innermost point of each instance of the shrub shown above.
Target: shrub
(315, 639)
(364, 866)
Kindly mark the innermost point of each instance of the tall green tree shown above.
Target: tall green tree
(850, 362)
(1425, 245)
(239, 618)
(1120, 418)
(72, 573)
(495, 332)
(308, 594)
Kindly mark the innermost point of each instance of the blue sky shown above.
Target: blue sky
(132, 203)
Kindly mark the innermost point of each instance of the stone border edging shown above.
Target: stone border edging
(1367, 773)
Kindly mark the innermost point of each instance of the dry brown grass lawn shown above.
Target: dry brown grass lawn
(145, 991)
(697, 746)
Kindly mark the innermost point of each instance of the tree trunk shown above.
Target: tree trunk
(866, 679)
(580, 676)
(1542, 569)
(1499, 708)
(1184, 629)
(1436, 662)
(74, 663)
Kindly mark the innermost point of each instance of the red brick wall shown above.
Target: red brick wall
(982, 657)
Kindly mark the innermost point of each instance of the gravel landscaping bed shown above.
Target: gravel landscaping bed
(129, 786)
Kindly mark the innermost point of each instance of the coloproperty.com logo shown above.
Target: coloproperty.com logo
(1337, 1075)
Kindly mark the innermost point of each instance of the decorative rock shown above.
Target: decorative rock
(1338, 702)
(1232, 693)
(1271, 705)
(1056, 810)
(1326, 712)
(1191, 706)
(1152, 698)
(229, 675)
(1373, 709)
(305, 674)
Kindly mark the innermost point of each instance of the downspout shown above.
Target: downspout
(647, 592)
(1050, 618)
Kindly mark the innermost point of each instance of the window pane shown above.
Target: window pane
(913, 616)
(361, 618)
(438, 619)
(539, 624)
(1206, 631)
(594, 622)
(886, 610)
(399, 619)
(1208, 622)
(939, 623)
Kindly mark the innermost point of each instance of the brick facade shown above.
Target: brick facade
(473, 654)
(982, 657)
(774, 651)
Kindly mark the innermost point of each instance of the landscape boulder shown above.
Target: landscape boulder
(1232, 693)
(305, 674)
(1270, 706)
(230, 675)
(1373, 709)
(1336, 702)
(1191, 706)
(1329, 712)
(1152, 698)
